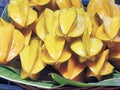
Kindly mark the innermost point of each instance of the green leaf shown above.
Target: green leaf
(12, 69)
(108, 82)
(116, 74)
(14, 77)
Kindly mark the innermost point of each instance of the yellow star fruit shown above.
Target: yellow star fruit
(109, 29)
(100, 6)
(71, 69)
(12, 41)
(40, 29)
(47, 23)
(76, 25)
(21, 13)
(64, 17)
(101, 66)
(65, 55)
(38, 2)
(16, 45)
(76, 3)
(88, 47)
(54, 51)
(51, 20)
(6, 39)
(31, 58)
(54, 46)
(63, 3)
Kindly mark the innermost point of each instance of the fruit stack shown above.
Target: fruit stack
(77, 43)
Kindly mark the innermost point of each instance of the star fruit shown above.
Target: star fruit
(54, 50)
(38, 2)
(72, 69)
(104, 15)
(69, 3)
(100, 6)
(44, 25)
(51, 16)
(31, 60)
(21, 14)
(64, 17)
(63, 3)
(12, 41)
(77, 3)
(101, 66)
(40, 29)
(97, 9)
(109, 30)
(76, 25)
(87, 47)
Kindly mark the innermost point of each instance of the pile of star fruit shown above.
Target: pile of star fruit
(78, 43)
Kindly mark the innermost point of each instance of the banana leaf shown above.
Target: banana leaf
(115, 81)
(13, 74)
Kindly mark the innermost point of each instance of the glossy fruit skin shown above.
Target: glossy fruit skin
(12, 42)
(66, 37)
